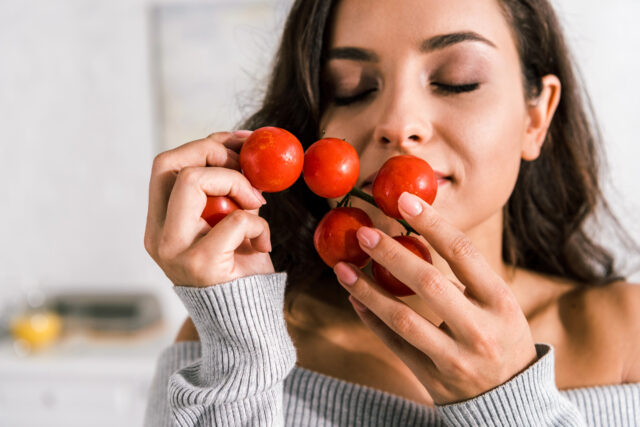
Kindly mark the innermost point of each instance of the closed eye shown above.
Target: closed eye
(455, 89)
(441, 87)
(346, 100)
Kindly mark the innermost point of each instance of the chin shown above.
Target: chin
(382, 222)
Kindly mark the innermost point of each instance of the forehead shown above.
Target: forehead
(378, 23)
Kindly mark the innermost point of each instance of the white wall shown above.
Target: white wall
(77, 134)
(605, 38)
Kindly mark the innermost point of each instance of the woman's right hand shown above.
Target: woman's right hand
(189, 251)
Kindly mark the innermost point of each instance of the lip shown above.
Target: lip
(369, 180)
(441, 177)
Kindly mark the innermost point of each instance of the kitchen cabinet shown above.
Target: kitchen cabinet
(79, 382)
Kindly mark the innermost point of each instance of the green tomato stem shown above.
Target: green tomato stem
(345, 200)
(364, 196)
(369, 199)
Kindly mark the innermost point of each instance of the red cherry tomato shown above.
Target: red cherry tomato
(335, 237)
(386, 280)
(331, 167)
(400, 174)
(271, 158)
(218, 207)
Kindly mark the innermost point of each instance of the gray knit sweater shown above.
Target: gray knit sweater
(243, 373)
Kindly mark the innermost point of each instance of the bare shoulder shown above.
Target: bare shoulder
(607, 317)
(623, 305)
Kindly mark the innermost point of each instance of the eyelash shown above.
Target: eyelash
(445, 88)
(455, 89)
(346, 100)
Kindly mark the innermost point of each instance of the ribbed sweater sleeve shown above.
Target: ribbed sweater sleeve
(529, 399)
(174, 358)
(246, 355)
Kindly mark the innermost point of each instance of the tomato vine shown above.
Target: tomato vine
(369, 199)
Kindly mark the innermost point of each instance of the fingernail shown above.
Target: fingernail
(345, 273)
(368, 236)
(358, 305)
(259, 196)
(241, 133)
(410, 203)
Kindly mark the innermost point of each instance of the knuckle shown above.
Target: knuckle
(238, 218)
(401, 321)
(474, 333)
(189, 175)
(450, 365)
(458, 368)
(216, 137)
(506, 302)
(238, 183)
(430, 283)
(485, 345)
(432, 221)
(391, 254)
(482, 341)
(161, 160)
(265, 225)
(364, 292)
(462, 247)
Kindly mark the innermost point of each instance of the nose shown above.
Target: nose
(404, 119)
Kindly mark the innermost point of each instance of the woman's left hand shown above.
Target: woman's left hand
(484, 339)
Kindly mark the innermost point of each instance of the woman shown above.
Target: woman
(517, 292)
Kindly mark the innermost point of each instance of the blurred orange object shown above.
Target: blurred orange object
(36, 330)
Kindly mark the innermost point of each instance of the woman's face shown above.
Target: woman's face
(440, 80)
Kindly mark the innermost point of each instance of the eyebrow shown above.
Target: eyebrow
(429, 45)
(446, 40)
(353, 53)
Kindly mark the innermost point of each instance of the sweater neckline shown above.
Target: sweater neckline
(586, 390)
(357, 386)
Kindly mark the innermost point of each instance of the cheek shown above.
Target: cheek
(351, 127)
(488, 148)
(494, 156)
(495, 171)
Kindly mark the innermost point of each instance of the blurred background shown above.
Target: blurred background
(90, 92)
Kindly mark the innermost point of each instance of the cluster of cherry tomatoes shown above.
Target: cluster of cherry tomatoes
(272, 159)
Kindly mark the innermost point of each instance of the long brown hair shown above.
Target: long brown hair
(544, 219)
(544, 227)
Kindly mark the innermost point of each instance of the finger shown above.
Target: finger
(209, 151)
(223, 239)
(189, 197)
(237, 139)
(446, 301)
(415, 359)
(466, 262)
(397, 315)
